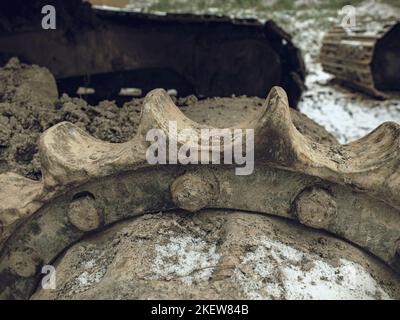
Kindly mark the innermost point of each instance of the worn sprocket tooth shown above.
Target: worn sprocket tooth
(349, 190)
(70, 156)
(369, 164)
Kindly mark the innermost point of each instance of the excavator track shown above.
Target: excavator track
(192, 54)
(365, 60)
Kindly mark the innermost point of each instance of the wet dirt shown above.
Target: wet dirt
(30, 104)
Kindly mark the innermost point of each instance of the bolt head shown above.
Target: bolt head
(24, 263)
(192, 192)
(316, 208)
(83, 214)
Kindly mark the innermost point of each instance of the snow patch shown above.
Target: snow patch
(186, 258)
(87, 279)
(347, 115)
(306, 3)
(94, 263)
(277, 271)
(377, 9)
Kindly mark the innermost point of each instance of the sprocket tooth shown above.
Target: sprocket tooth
(273, 121)
(280, 144)
(373, 163)
(70, 156)
(277, 140)
(369, 164)
(159, 111)
(18, 200)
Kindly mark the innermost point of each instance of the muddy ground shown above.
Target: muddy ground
(30, 104)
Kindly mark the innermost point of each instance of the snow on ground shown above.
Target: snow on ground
(94, 270)
(348, 115)
(273, 270)
(187, 258)
(377, 9)
(279, 274)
